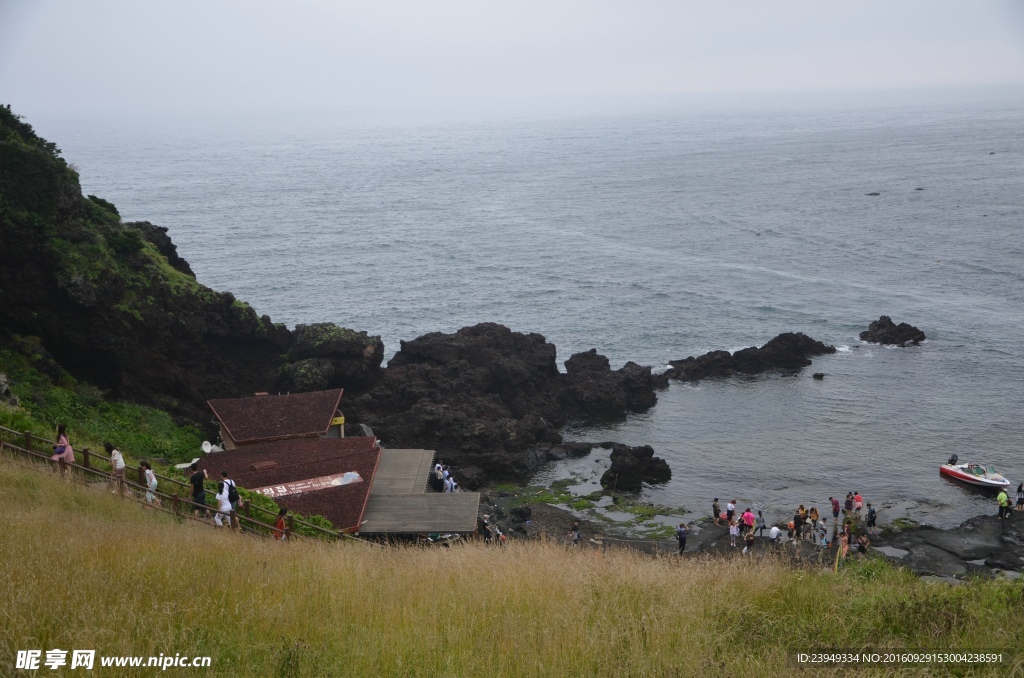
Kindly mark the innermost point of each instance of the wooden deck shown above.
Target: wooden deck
(400, 503)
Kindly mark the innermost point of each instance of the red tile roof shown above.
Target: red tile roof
(277, 417)
(303, 459)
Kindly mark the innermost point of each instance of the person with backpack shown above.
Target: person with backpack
(872, 519)
(682, 532)
(223, 505)
(233, 497)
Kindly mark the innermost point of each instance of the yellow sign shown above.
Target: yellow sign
(338, 421)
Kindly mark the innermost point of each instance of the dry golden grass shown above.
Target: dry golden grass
(87, 570)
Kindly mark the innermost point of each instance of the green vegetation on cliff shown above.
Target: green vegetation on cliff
(116, 307)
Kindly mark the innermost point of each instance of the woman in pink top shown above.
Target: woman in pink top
(748, 521)
(62, 450)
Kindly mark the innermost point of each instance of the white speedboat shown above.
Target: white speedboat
(973, 474)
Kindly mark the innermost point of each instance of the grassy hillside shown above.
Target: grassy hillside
(87, 570)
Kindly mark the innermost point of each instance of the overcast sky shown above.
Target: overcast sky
(106, 57)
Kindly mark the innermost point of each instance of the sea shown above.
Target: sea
(650, 233)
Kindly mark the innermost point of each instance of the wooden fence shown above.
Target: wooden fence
(181, 504)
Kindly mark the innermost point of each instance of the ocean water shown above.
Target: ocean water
(651, 236)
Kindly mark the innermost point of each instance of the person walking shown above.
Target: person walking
(574, 533)
(280, 531)
(223, 515)
(761, 524)
(150, 477)
(63, 451)
(196, 480)
(681, 533)
(117, 469)
(233, 497)
(716, 511)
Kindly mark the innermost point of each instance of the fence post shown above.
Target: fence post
(142, 476)
(289, 527)
(28, 440)
(85, 457)
(177, 504)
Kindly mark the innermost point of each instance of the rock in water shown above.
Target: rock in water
(787, 352)
(633, 466)
(493, 398)
(885, 331)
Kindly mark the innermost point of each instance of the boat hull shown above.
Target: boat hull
(971, 479)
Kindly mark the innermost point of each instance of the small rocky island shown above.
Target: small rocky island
(788, 352)
(885, 331)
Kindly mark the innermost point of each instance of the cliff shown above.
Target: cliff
(113, 303)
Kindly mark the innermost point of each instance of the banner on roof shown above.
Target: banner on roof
(311, 485)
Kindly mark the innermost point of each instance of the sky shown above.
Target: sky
(107, 57)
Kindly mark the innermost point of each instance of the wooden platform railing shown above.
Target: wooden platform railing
(170, 503)
(90, 461)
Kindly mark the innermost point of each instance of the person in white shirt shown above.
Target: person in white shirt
(449, 485)
(223, 517)
(151, 497)
(117, 468)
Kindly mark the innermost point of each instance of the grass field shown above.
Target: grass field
(87, 570)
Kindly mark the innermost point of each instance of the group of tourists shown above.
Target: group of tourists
(806, 524)
(443, 481)
(227, 497)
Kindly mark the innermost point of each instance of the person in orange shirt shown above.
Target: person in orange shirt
(279, 528)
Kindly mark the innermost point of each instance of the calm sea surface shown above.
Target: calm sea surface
(649, 237)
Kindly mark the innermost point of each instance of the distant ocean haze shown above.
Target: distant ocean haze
(650, 237)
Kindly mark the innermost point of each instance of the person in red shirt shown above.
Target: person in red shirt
(279, 528)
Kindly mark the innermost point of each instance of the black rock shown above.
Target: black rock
(493, 398)
(885, 331)
(873, 194)
(819, 375)
(520, 514)
(787, 352)
(632, 467)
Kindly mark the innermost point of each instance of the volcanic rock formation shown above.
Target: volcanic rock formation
(885, 331)
(786, 352)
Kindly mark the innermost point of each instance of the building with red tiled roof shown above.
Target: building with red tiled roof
(313, 476)
(266, 418)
